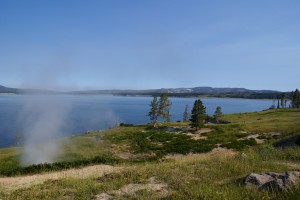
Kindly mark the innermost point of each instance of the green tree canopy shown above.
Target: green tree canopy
(295, 98)
(186, 113)
(218, 114)
(153, 113)
(164, 107)
(198, 115)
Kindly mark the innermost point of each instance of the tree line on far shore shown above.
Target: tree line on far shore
(293, 98)
(160, 108)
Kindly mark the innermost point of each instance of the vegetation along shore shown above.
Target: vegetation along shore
(171, 160)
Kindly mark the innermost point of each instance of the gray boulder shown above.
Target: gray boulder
(273, 181)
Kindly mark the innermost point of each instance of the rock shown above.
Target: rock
(103, 196)
(258, 179)
(243, 156)
(273, 181)
(273, 185)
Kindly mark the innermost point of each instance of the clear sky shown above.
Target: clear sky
(142, 44)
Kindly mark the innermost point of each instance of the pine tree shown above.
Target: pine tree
(198, 115)
(282, 101)
(295, 99)
(218, 114)
(186, 113)
(164, 107)
(278, 106)
(153, 113)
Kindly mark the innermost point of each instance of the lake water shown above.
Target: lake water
(76, 114)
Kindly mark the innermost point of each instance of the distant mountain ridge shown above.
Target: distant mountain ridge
(4, 89)
(206, 90)
(195, 91)
(180, 92)
(8, 90)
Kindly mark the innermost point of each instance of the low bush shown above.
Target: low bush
(126, 125)
(46, 167)
(240, 144)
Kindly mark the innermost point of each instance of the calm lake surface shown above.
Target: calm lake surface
(76, 114)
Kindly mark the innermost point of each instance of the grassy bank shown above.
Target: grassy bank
(145, 152)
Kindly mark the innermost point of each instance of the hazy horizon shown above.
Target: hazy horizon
(88, 45)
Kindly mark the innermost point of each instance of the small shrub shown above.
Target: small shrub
(240, 144)
(46, 167)
(241, 135)
(126, 125)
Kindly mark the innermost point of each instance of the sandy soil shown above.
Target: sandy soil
(13, 183)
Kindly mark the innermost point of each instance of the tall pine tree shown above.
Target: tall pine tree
(186, 113)
(282, 100)
(153, 113)
(164, 107)
(198, 115)
(295, 97)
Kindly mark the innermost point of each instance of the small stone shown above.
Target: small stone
(103, 196)
(243, 155)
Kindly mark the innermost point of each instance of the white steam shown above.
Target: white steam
(44, 120)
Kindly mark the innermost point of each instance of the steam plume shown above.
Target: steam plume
(43, 119)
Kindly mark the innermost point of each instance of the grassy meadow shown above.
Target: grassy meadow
(167, 162)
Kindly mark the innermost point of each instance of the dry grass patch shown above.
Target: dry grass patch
(223, 152)
(161, 190)
(13, 183)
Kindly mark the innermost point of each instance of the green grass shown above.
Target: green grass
(215, 177)
(203, 178)
(284, 121)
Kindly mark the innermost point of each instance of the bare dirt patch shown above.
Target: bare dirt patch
(257, 139)
(197, 136)
(204, 130)
(161, 190)
(13, 183)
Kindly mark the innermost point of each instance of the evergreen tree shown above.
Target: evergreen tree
(295, 99)
(218, 114)
(285, 102)
(282, 101)
(278, 106)
(153, 113)
(198, 115)
(164, 107)
(186, 113)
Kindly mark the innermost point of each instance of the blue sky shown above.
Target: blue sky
(139, 44)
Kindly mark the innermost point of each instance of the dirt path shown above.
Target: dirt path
(13, 183)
